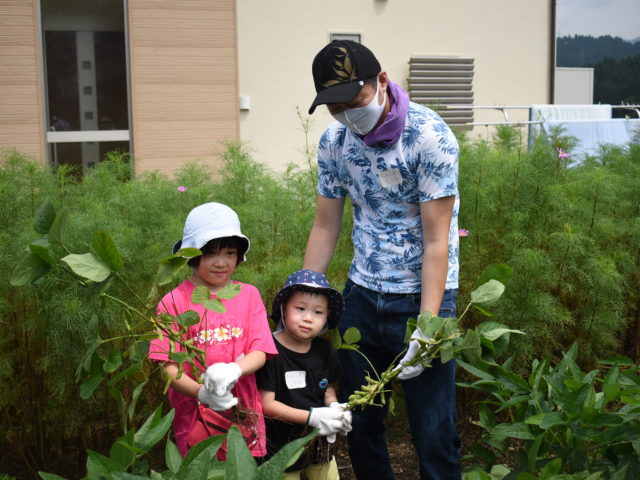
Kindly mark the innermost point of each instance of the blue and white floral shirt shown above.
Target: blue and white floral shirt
(386, 186)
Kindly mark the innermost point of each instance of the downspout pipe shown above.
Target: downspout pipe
(552, 53)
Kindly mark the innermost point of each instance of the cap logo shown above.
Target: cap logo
(345, 71)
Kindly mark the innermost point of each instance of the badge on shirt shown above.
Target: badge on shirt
(295, 379)
(391, 177)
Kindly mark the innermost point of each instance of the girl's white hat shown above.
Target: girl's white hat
(207, 222)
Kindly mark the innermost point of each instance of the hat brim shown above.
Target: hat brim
(340, 93)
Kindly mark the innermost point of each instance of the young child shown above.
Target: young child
(236, 343)
(297, 385)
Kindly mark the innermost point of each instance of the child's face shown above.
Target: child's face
(305, 314)
(216, 267)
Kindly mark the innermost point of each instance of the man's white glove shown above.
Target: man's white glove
(221, 377)
(328, 420)
(346, 419)
(414, 345)
(217, 402)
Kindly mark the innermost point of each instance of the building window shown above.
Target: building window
(355, 37)
(86, 80)
(444, 84)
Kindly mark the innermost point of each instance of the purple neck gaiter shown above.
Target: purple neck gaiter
(389, 132)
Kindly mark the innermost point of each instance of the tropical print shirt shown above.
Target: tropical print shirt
(386, 186)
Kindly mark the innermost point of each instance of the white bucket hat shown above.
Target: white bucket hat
(207, 222)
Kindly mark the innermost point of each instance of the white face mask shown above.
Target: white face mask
(362, 119)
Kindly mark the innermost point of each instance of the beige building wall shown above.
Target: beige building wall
(20, 81)
(277, 39)
(184, 87)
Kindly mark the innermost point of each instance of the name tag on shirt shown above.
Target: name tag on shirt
(390, 177)
(295, 379)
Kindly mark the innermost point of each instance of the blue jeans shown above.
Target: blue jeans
(430, 398)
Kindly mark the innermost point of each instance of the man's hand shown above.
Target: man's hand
(407, 372)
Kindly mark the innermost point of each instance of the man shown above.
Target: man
(398, 163)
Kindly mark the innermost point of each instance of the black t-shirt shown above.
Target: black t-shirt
(298, 380)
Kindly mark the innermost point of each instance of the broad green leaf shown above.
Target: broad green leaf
(41, 248)
(29, 269)
(134, 399)
(499, 332)
(518, 430)
(200, 295)
(168, 268)
(469, 346)
(154, 428)
(99, 466)
(532, 453)
(94, 291)
(240, 463)
(551, 468)
(50, 476)
(187, 253)
(619, 361)
(123, 451)
(477, 475)
(130, 371)
(172, 457)
(188, 318)
(197, 468)
(58, 229)
(488, 293)
(113, 361)
(215, 305)
(286, 456)
(551, 420)
(487, 419)
(107, 250)
(210, 445)
(178, 357)
(229, 291)
(335, 339)
(45, 215)
(446, 353)
(495, 271)
(351, 335)
(88, 386)
(88, 266)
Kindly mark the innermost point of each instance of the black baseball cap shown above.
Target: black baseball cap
(339, 71)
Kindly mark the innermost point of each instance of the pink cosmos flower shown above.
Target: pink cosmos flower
(182, 188)
(463, 232)
(562, 154)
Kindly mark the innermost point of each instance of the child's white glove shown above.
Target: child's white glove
(221, 377)
(346, 419)
(328, 420)
(217, 402)
(415, 370)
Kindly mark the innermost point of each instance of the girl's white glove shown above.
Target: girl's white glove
(217, 402)
(220, 378)
(413, 371)
(346, 419)
(328, 420)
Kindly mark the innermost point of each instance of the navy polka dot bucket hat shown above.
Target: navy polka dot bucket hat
(308, 280)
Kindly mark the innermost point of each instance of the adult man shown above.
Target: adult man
(397, 162)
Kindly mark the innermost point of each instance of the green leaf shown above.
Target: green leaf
(99, 466)
(488, 293)
(88, 266)
(551, 468)
(200, 295)
(134, 399)
(41, 248)
(477, 475)
(123, 451)
(88, 386)
(518, 430)
(168, 269)
(351, 335)
(29, 269)
(154, 428)
(551, 420)
(274, 467)
(496, 333)
(469, 346)
(187, 253)
(229, 291)
(446, 352)
(209, 445)
(107, 250)
(172, 457)
(335, 339)
(58, 229)
(45, 215)
(495, 271)
(240, 463)
(215, 305)
(113, 362)
(532, 453)
(188, 318)
(50, 476)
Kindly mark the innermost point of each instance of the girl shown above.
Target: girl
(236, 343)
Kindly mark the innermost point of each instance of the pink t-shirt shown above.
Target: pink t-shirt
(225, 337)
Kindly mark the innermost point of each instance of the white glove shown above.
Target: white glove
(221, 377)
(217, 402)
(415, 370)
(328, 420)
(346, 419)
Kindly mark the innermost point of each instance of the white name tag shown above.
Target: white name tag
(295, 379)
(390, 177)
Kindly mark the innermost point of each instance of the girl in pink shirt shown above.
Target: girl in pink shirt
(236, 343)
